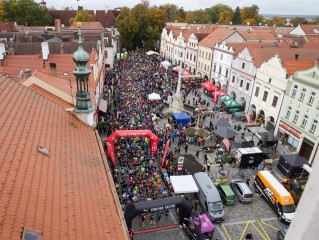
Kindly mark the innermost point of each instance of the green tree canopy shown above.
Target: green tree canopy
(172, 12)
(298, 20)
(199, 16)
(26, 12)
(236, 16)
(215, 11)
(140, 26)
(82, 16)
(225, 17)
(276, 21)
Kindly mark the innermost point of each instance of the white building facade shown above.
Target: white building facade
(191, 53)
(269, 90)
(242, 78)
(297, 126)
(179, 50)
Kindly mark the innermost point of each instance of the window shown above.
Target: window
(187, 56)
(247, 86)
(274, 101)
(181, 54)
(194, 58)
(265, 96)
(288, 112)
(294, 91)
(220, 70)
(313, 126)
(214, 67)
(269, 80)
(226, 74)
(241, 83)
(311, 98)
(296, 117)
(302, 95)
(304, 121)
(257, 92)
(206, 55)
(233, 80)
(221, 56)
(243, 66)
(209, 55)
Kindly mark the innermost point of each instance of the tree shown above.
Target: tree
(225, 17)
(171, 11)
(188, 17)
(250, 13)
(215, 11)
(199, 16)
(157, 23)
(26, 12)
(298, 20)
(82, 16)
(276, 21)
(127, 26)
(236, 16)
(2, 13)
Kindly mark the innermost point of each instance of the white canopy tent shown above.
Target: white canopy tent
(166, 64)
(151, 53)
(154, 96)
(183, 184)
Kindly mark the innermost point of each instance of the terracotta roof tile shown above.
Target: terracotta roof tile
(310, 29)
(312, 39)
(256, 35)
(292, 65)
(55, 194)
(216, 36)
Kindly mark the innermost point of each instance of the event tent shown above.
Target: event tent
(181, 117)
(166, 64)
(220, 122)
(183, 184)
(154, 96)
(225, 132)
(291, 165)
(209, 86)
(224, 98)
(151, 53)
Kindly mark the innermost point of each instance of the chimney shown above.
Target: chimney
(296, 56)
(27, 73)
(10, 49)
(57, 24)
(62, 48)
(53, 69)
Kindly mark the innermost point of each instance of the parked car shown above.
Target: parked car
(281, 234)
(226, 193)
(242, 191)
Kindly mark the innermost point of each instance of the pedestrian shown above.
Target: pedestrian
(152, 217)
(196, 202)
(166, 214)
(204, 169)
(158, 216)
(199, 140)
(249, 236)
(197, 154)
(186, 147)
(205, 158)
(208, 166)
(143, 219)
(131, 233)
(247, 181)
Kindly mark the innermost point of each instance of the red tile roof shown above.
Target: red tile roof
(292, 65)
(216, 36)
(68, 194)
(310, 29)
(312, 39)
(256, 35)
(87, 26)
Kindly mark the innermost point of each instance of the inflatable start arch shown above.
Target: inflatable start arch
(130, 134)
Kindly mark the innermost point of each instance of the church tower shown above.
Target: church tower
(83, 109)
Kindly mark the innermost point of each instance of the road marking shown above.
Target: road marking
(224, 228)
(243, 222)
(259, 223)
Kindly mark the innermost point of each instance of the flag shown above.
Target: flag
(165, 152)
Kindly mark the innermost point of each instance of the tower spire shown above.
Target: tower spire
(83, 108)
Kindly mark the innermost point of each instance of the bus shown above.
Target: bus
(276, 195)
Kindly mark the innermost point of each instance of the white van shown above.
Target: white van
(209, 197)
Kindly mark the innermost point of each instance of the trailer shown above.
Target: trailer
(249, 157)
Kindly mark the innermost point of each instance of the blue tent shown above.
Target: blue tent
(181, 117)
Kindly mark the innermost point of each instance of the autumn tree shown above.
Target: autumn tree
(173, 12)
(2, 13)
(26, 12)
(82, 16)
(276, 21)
(140, 26)
(250, 14)
(236, 16)
(225, 17)
(215, 11)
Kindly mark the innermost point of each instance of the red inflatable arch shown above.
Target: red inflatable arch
(130, 134)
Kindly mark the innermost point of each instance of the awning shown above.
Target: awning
(209, 86)
(166, 64)
(151, 53)
(183, 184)
(103, 105)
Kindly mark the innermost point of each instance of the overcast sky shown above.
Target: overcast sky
(287, 7)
